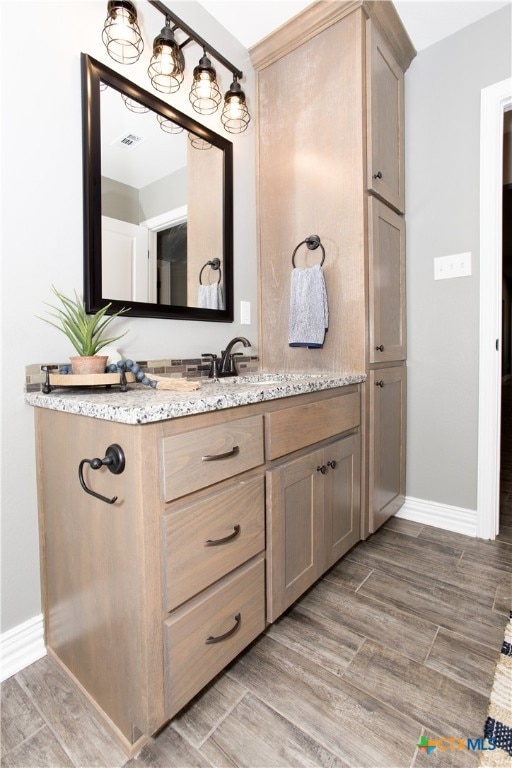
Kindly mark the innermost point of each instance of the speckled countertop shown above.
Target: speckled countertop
(142, 405)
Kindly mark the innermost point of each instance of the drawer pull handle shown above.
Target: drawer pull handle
(379, 383)
(377, 175)
(229, 633)
(215, 542)
(380, 348)
(322, 469)
(218, 456)
(332, 464)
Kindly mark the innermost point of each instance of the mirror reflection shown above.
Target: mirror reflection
(159, 221)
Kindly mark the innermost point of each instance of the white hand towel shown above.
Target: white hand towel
(210, 297)
(309, 312)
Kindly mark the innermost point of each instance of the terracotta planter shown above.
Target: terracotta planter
(93, 364)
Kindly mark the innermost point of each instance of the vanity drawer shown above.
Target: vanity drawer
(231, 613)
(200, 458)
(292, 428)
(204, 541)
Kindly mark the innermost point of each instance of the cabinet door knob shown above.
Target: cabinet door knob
(379, 383)
(380, 348)
(332, 464)
(377, 175)
(322, 469)
(229, 633)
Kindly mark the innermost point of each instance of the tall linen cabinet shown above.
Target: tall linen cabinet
(330, 119)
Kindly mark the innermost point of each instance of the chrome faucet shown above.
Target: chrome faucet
(227, 363)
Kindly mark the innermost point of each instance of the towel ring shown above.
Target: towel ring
(214, 264)
(312, 242)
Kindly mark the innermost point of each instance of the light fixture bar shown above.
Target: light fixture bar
(193, 36)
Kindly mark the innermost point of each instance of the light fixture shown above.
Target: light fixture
(123, 40)
(205, 95)
(167, 63)
(121, 33)
(133, 105)
(197, 142)
(235, 115)
(168, 125)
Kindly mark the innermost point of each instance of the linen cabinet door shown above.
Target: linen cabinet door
(386, 466)
(342, 497)
(385, 120)
(387, 314)
(295, 530)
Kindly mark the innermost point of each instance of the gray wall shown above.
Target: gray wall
(41, 234)
(119, 201)
(443, 88)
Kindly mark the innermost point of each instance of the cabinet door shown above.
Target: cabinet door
(386, 469)
(385, 120)
(295, 530)
(386, 283)
(342, 502)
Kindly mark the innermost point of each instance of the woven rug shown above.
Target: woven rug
(498, 725)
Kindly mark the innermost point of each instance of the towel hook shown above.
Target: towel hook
(214, 264)
(312, 242)
(115, 461)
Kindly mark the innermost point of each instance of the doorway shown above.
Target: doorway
(505, 505)
(496, 100)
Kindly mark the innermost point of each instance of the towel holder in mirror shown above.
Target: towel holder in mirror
(214, 264)
(312, 242)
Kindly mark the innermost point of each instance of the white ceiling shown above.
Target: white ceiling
(426, 21)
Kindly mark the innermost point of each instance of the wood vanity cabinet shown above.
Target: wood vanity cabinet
(332, 164)
(147, 598)
(386, 465)
(386, 278)
(312, 518)
(384, 120)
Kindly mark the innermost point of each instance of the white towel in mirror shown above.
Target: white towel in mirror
(210, 297)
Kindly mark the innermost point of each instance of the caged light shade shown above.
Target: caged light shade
(169, 126)
(204, 94)
(167, 63)
(235, 116)
(121, 34)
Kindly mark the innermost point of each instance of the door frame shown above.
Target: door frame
(495, 101)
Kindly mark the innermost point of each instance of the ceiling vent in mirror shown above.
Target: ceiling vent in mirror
(128, 140)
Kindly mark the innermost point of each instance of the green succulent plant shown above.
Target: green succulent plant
(85, 332)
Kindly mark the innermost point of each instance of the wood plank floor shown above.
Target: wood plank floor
(398, 640)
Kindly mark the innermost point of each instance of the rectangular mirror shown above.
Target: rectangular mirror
(158, 205)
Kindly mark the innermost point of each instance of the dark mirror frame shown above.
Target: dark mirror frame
(92, 73)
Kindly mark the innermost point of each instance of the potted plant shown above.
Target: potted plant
(85, 332)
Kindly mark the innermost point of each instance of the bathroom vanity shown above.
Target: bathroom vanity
(232, 501)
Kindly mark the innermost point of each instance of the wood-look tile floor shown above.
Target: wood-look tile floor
(398, 640)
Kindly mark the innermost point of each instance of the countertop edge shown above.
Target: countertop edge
(145, 406)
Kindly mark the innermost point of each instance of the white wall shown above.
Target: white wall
(443, 88)
(41, 232)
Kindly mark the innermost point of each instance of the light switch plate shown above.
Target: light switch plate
(457, 265)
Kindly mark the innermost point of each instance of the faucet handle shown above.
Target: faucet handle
(213, 367)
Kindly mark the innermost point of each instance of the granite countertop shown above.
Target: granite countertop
(142, 405)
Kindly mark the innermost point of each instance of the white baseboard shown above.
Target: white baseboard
(21, 646)
(457, 519)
